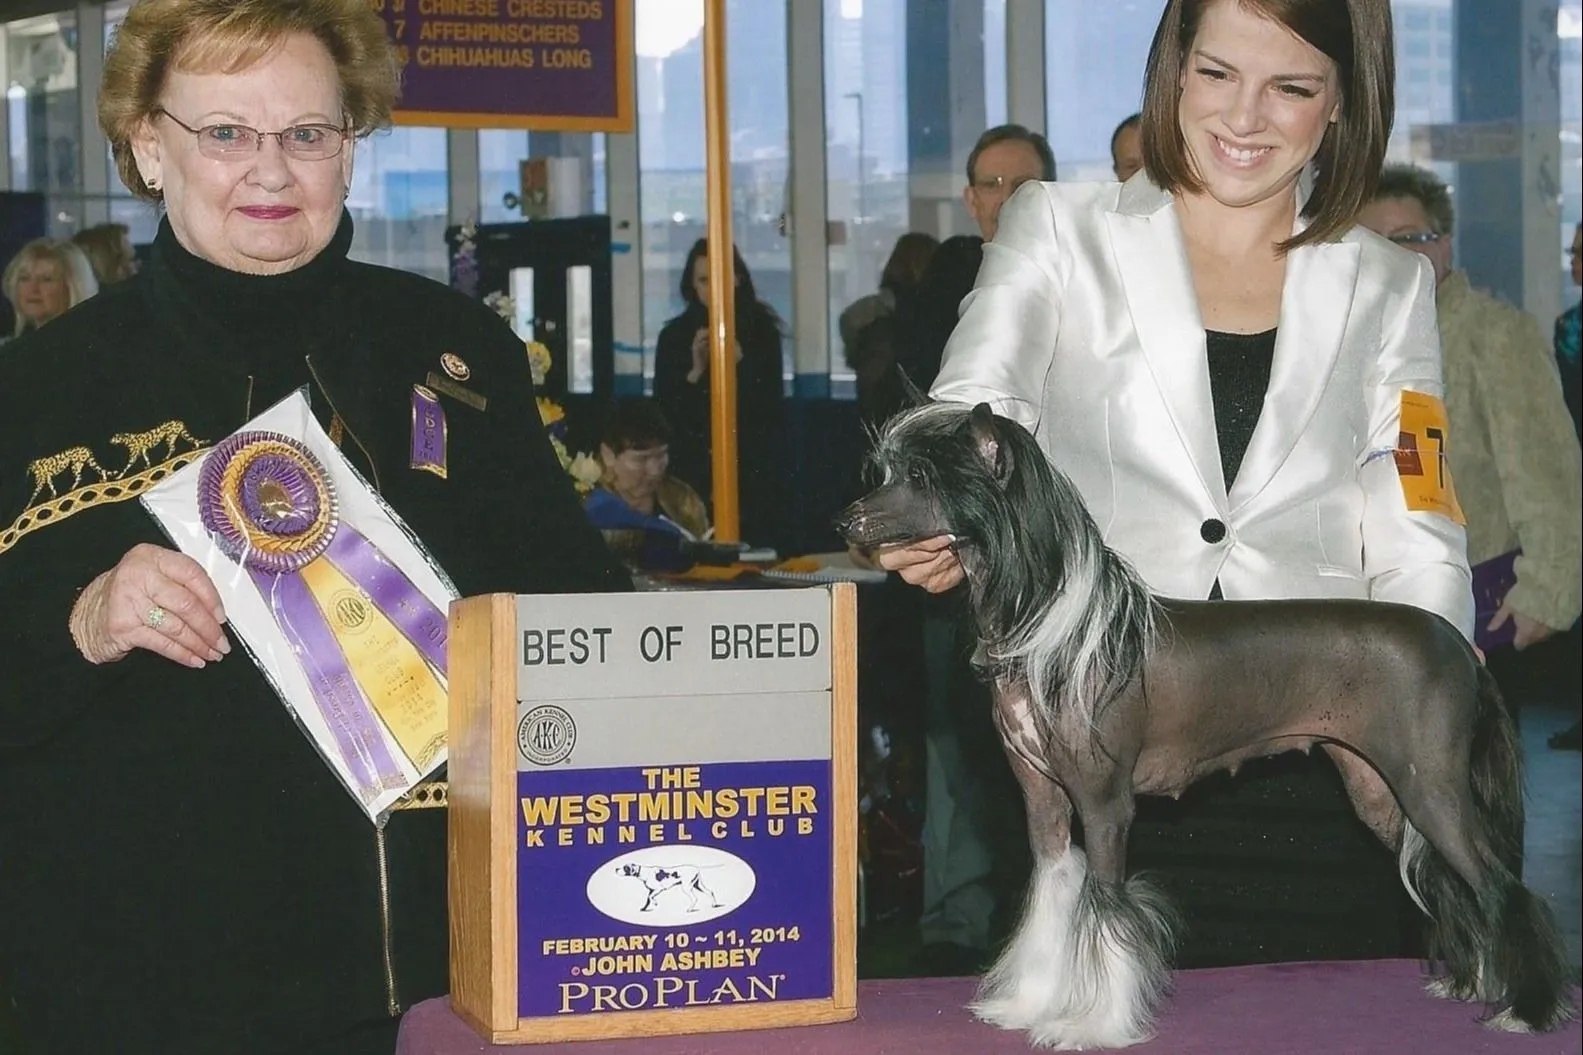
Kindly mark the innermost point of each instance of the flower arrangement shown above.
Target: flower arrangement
(584, 469)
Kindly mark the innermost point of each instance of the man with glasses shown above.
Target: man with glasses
(1514, 459)
(974, 849)
(1003, 159)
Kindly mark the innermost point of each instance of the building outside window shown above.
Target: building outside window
(671, 150)
(38, 64)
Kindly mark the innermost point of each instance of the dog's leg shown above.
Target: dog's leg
(1499, 941)
(1033, 973)
(1122, 939)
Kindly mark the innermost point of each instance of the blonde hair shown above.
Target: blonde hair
(106, 246)
(71, 262)
(229, 36)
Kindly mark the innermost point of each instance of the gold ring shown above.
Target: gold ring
(154, 618)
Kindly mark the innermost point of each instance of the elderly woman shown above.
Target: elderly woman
(644, 512)
(46, 278)
(188, 876)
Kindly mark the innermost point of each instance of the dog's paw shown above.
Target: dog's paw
(1016, 1011)
(1067, 1035)
(1446, 988)
(1507, 1022)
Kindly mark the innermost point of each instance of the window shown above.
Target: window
(671, 150)
(866, 159)
(1095, 56)
(1425, 67)
(995, 63)
(38, 63)
(1569, 27)
(501, 152)
(400, 200)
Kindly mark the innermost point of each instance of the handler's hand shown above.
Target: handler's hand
(155, 599)
(1528, 631)
(930, 563)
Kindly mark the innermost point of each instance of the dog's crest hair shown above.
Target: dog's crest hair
(1055, 604)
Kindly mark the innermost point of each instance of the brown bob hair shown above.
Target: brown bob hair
(228, 36)
(1356, 36)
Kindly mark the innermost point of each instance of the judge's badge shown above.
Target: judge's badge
(1421, 457)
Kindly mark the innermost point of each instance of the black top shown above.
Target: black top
(187, 876)
(1239, 375)
(761, 441)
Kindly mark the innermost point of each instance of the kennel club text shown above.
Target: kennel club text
(673, 807)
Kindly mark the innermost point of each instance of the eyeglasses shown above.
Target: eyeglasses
(1414, 237)
(1001, 184)
(312, 142)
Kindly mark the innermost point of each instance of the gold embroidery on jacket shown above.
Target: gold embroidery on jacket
(73, 459)
(108, 487)
(139, 444)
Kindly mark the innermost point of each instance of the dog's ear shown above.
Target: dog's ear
(986, 440)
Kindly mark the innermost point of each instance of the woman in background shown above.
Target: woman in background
(643, 511)
(47, 278)
(868, 327)
(109, 250)
(681, 388)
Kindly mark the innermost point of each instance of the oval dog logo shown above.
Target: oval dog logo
(671, 886)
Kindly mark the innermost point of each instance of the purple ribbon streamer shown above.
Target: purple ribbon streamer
(418, 619)
(428, 432)
(335, 689)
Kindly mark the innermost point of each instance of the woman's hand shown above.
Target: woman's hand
(155, 599)
(931, 563)
(1527, 631)
(701, 355)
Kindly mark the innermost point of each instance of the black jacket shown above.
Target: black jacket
(179, 872)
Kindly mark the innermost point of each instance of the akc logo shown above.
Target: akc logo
(546, 735)
(671, 886)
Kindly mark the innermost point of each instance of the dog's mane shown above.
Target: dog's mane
(1053, 602)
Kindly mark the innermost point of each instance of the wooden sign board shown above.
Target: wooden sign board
(653, 812)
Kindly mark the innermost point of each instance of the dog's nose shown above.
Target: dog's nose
(847, 521)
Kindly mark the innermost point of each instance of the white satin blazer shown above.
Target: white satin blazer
(1084, 327)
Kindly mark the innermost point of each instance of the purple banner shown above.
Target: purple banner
(543, 64)
(677, 886)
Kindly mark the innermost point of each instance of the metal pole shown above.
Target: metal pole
(722, 279)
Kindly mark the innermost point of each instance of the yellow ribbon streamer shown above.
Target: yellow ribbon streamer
(402, 688)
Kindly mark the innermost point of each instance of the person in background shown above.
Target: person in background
(1004, 158)
(682, 384)
(974, 851)
(46, 278)
(643, 511)
(1568, 337)
(109, 250)
(868, 327)
(1217, 357)
(1126, 148)
(189, 877)
(1515, 464)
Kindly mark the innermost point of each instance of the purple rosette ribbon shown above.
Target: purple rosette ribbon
(269, 505)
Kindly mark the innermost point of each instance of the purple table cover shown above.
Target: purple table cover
(1373, 1007)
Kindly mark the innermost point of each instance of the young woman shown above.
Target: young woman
(1218, 358)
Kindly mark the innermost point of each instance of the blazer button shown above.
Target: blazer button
(1212, 531)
